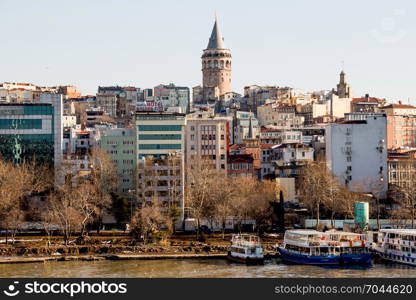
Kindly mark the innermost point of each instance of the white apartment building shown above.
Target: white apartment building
(207, 137)
(280, 136)
(69, 121)
(356, 152)
(292, 152)
(334, 107)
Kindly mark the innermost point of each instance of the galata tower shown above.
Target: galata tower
(216, 67)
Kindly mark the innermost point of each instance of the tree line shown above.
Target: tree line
(75, 204)
(324, 194)
(213, 196)
(30, 192)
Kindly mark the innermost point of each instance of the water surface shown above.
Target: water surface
(180, 268)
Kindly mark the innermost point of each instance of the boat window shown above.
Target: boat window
(324, 250)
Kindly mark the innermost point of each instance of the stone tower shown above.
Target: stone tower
(216, 67)
(343, 89)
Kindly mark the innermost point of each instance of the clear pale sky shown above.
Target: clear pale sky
(143, 43)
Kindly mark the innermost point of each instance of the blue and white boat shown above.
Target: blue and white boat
(324, 248)
(396, 245)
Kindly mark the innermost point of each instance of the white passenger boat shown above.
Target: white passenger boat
(246, 248)
(396, 245)
(324, 248)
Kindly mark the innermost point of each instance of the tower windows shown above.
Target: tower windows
(216, 64)
(222, 64)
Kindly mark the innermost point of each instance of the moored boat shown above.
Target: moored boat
(396, 245)
(246, 249)
(324, 248)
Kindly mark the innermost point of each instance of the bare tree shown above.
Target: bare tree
(103, 180)
(17, 182)
(63, 208)
(376, 187)
(261, 211)
(47, 220)
(200, 177)
(242, 203)
(314, 184)
(148, 221)
(406, 192)
(252, 201)
(86, 204)
(223, 192)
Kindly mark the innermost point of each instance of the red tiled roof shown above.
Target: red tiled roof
(265, 129)
(369, 99)
(293, 145)
(398, 105)
(236, 158)
(19, 89)
(236, 146)
(267, 146)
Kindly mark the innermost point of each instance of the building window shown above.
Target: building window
(160, 127)
(160, 146)
(21, 124)
(159, 137)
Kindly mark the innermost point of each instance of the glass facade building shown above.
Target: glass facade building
(31, 131)
(159, 133)
(26, 132)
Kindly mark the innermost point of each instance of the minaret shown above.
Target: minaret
(250, 129)
(216, 67)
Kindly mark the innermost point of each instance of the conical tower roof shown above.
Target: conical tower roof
(216, 41)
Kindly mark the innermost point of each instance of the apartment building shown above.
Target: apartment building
(356, 152)
(207, 137)
(120, 145)
(401, 125)
(30, 131)
(160, 148)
